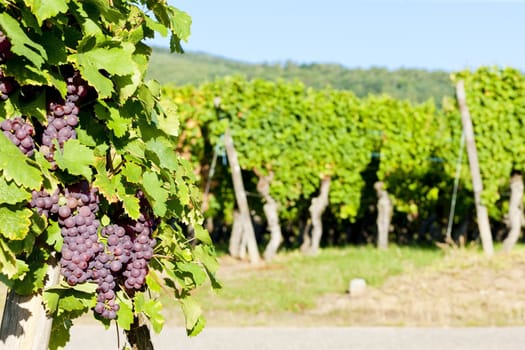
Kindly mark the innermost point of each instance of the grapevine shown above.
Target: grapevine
(90, 176)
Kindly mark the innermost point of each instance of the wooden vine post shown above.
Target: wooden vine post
(477, 185)
(25, 323)
(247, 236)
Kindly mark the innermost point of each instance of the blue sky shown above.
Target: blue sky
(446, 34)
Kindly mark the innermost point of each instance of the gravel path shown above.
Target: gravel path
(87, 337)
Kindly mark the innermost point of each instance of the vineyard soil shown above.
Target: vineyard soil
(462, 289)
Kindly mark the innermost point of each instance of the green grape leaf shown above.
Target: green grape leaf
(132, 172)
(198, 275)
(76, 158)
(202, 235)
(33, 280)
(125, 313)
(180, 23)
(192, 312)
(10, 193)
(152, 281)
(207, 257)
(108, 186)
(198, 327)
(131, 205)
(50, 300)
(15, 223)
(153, 187)
(165, 152)
(170, 124)
(9, 265)
(15, 165)
(53, 236)
(46, 9)
(152, 309)
(21, 44)
(60, 330)
(114, 119)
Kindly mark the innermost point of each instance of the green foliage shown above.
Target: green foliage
(302, 134)
(496, 101)
(125, 145)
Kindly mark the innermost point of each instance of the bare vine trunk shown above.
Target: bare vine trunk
(515, 212)
(237, 247)
(385, 210)
(318, 206)
(248, 233)
(477, 186)
(271, 210)
(139, 336)
(25, 324)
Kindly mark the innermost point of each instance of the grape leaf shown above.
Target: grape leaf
(192, 312)
(125, 313)
(198, 275)
(132, 172)
(152, 309)
(46, 9)
(33, 280)
(155, 191)
(53, 236)
(114, 119)
(15, 166)
(10, 193)
(75, 158)
(15, 223)
(131, 205)
(107, 186)
(22, 45)
(164, 151)
(180, 23)
(198, 327)
(202, 235)
(9, 265)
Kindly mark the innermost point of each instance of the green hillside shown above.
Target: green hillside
(417, 85)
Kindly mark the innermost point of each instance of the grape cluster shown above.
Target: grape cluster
(142, 252)
(20, 133)
(62, 118)
(61, 122)
(45, 203)
(77, 88)
(79, 228)
(5, 47)
(7, 85)
(107, 267)
(106, 305)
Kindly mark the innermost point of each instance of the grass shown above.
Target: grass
(293, 282)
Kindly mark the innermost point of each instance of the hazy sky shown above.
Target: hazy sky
(444, 34)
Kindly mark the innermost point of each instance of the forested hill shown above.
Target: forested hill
(416, 85)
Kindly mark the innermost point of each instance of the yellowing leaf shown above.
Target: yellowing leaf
(15, 224)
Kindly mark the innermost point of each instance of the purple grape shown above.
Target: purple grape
(21, 133)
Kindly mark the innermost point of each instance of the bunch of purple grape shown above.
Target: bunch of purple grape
(20, 133)
(5, 47)
(142, 252)
(45, 203)
(7, 85)
(79, 228)
(62, 118)
(107, 266)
